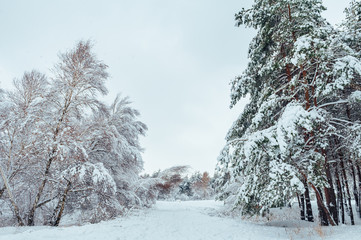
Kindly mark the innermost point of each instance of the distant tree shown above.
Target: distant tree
(173, 184)
(171, 180)
(201, 186)
(185, 188)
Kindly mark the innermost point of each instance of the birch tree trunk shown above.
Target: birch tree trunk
(11, 197)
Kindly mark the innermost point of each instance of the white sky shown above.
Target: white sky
(174, 58)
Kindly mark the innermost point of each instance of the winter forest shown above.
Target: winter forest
(67, 158)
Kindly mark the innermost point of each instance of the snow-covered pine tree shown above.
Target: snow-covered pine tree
(333, 79)
(281, 140)
(252, 151)
(352, 25)
(351, 33)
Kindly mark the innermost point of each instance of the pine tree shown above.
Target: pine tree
(268, 80)
(281, 143)
(351, 34)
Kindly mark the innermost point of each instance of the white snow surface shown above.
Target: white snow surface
(185, 220)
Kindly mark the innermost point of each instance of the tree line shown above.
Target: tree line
(300, 134)
(176, 184)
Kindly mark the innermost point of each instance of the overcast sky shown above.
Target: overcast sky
(173, 58)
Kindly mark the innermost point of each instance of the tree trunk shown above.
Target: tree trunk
(58, 211)
(319, 199)
(41, 189)
(11, 197)
(309, 213)
(339, 195)
(330, 191)
(359, 188)
(355, 192)
(321, 210)
(330, 197)
(2, 191)
(322, 206)
(344, 195)
(301, 203)
(348, 191)
(52, 157)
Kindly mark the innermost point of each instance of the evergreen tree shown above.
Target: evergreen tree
(281, 143)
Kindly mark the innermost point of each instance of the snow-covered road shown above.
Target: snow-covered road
(177, 220)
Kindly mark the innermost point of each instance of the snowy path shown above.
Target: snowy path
(176, 220)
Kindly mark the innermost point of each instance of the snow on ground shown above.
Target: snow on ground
(184, 220)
